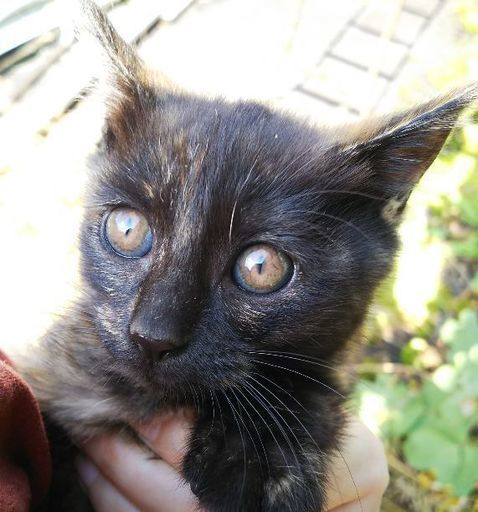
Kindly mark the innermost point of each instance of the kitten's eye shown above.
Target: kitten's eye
(262, 269)
(128, 233)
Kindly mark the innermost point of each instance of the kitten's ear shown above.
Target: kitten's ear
(392, 154)
(122, 65)
(123, 81)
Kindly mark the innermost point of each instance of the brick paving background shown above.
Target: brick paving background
(363, 61)
(328, 60)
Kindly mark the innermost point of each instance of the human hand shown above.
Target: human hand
(122, 477)
(359, 473)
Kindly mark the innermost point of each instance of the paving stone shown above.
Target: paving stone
(423, 7)
(346, 85)
(17, 80)
(316, 110)
(55, 89)
(436, 50)
(246, 48)
(370, 51)
(407, 27)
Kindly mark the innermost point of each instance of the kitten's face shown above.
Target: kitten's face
(200, 188)
(213, 181)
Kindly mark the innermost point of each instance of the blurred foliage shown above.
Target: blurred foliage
(432, 417)
(419, 382)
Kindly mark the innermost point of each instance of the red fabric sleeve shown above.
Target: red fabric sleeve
(24, 454)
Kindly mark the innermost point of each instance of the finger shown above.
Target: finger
(168, 436)
(103, 496)
(359, 470)
(365, 504)
(150, 484)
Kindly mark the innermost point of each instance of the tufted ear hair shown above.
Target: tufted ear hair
(124, 82)
(388, 156)
(119, 58)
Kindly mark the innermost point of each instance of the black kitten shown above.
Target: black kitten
(229, 255)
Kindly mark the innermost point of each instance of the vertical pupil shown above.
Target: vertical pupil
(262, 269)
(256, 259)
(126, 223)
(128, 233)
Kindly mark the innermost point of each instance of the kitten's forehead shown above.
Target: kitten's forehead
(191, 156)
(213, 177)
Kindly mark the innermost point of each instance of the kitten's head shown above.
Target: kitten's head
(215, 231)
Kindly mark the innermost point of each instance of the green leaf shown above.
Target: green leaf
(432, 394)
(474, 284)
(453, 414)
(469, 210)
(467, 248)
(461, 334)
(429, 449)
(449, 419)
(468, 373)
(388, 407)
(467, 475)
(453, 463)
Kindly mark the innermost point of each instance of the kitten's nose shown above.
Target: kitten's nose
(156, 344)
(154, 349)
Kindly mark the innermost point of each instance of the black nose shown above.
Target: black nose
(155, 349)
(157, 340)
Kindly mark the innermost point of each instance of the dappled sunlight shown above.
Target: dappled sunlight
(444, 377)
(419, 270)
(373, 411)
(423, 257)
(41, 210)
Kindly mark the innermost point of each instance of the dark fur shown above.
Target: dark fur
(261, 371)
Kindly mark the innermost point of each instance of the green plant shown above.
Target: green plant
(434, 419)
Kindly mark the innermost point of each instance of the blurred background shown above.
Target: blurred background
(333, 62)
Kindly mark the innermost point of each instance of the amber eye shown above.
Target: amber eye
(262, 269)
(128, 232)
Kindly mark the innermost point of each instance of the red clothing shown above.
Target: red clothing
(24, 453)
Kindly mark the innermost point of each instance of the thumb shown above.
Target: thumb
(168, 435)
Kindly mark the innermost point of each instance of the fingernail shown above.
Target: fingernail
(179, 434)
(149, 432)
(174, 426)
(87, 471)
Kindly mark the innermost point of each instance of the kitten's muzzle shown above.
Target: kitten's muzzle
(157, 340)
(162, 321)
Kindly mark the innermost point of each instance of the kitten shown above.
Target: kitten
(229, 254)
